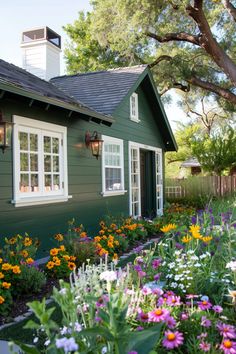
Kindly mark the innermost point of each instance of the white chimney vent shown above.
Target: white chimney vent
(41, 52)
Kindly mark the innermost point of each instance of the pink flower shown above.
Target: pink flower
(142, 316)
(161, 301)
(173, 300)
(156, 263)
(158, 315)
(139, 328)
(191, 296)
(157, 276)
(202, 335)
(142, 274)
(217, 308)
(227, 331)
(133, 352)
(205, 322)
(204, 346)
(170, 321)
(184, 316)
(204, 305)
(228, 346)
(157, 291)
(172, 339)
(146, 291)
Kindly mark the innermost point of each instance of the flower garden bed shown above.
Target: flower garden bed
(177, 296)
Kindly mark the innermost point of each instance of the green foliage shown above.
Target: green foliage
(30, 281)
(216, 152)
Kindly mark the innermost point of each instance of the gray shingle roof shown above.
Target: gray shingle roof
(191, 162)
(100, 90)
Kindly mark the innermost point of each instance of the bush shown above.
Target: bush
(30, 280)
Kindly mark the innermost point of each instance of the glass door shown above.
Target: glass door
(159, 183)
(135, 198)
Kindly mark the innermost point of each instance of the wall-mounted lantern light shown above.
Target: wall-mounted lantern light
(5, 133)
(94, 142)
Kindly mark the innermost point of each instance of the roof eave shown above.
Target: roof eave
(55, 102)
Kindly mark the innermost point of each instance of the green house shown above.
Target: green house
(49, 175)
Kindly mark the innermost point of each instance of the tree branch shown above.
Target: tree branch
(230, 8)
(224, 93)
(180, 36)
(159, 59)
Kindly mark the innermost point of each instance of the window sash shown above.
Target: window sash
(134, 114)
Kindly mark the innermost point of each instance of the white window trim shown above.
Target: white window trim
(18, 199)
(109, 139)
(134, 118)
(144, 147)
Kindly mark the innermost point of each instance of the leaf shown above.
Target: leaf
(31, 325)
(97, 331)
(27, 349)
(144, 341)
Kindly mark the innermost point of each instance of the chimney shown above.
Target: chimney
(41, 49)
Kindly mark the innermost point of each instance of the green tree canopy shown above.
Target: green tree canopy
(187, 43)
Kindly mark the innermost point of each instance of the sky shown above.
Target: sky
(20, 15)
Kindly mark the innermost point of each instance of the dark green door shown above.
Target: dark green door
(147, 183)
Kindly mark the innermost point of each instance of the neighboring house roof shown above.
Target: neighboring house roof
(104, 91)
(16, 80)
(100, 90)
(191, 162)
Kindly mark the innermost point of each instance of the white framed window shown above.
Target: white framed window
(134, 115)
(112, 167)
(40, 162)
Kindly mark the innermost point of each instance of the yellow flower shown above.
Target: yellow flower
(102, 252)
(59, 237)
(115, 257)
(118, 231)
(12, 240)
(66, 257)
(53, 251)
(24, 253)
(186, 239)
(1, 300)
(1, 275)
(27, 241)
(168, 228)
(116, 243)
(6, 266)
(83, 234)
(110, 244)
(0, 260)
(62, 248)
(16, 269)
(207, 239)
(50, 265)
(72, 258)
(194, 229)
(58, 262)
(6, 285)
(29, 260)
(101, 232)
(197, 235)
(71, 265)
(104, 237)
(113, 226)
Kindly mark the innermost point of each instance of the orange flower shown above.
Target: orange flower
(24, 253)
(207, 239)
(12, 240)
(110, 244)
(6, 266)
(97, 239)
(118, 231)
(72, 258)
(186, 239)
(57, 262)
(6, 285)
(0, 260)
(116, 243)
(62, 248)
(53, 251)
(59, 237)
(16, 269)
(83, 234)
(194, 229)
(66, 257)
(29, 260)
(168, 228)
(1, 300)
(27, 241)
(102, 252)
(101, 232)
(113, 226)
(115, 257)
(1, 275)
(71, 265)
(50, 265)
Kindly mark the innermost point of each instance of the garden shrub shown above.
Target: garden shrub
(60, 263)
(30, 281)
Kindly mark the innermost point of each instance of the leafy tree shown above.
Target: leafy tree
(216, 152)
(187, 43)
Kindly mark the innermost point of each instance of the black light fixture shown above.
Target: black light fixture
(5, 133)
(94, 142)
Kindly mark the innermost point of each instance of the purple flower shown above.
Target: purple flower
(141, 274)
(170, 321)
(204, 305)
(139, 328)
(146, 291)
(172, 339)
(228, 346)
(204, 346)
(133, 352)
(227, 331)
(158, 315)
(173, 301)
(156, 263)
(68, 344)
(205, 322)
(142, 316)
(157, 276)
(217, 308)
(138, 268)
(184, 316)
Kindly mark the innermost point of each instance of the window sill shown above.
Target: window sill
(136, 120)
(113, 193)
(40, 201)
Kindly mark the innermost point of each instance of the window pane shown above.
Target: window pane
(34, 183)
(24, 183)
(24, 163)
(23, 137)
(47, 143)
(47, 163)
(113, 179)
(55, 145)
(55, 163)
(33, 162)
(33, 142)
(56, 182)
(48, 183)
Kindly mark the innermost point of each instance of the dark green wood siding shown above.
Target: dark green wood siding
(87, 205)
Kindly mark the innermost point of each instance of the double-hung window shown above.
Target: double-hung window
(40, 162)
(112, 166)
(134, 114)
